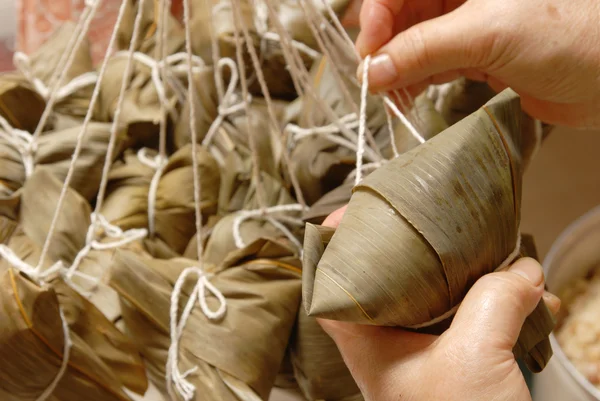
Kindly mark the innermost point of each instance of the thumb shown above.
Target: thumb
(461, 39)
(495, 309)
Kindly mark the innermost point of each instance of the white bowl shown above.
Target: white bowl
(572, 255)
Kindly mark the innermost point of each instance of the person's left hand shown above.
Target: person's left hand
(472, 360)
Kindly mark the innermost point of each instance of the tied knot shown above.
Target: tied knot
(23, 63)
(202, 289)
(230, 102)
(23, 142)
(119, 238)
(274, 217)
(35, 273)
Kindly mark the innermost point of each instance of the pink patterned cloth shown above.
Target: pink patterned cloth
(39, 18)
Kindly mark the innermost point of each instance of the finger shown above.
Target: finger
(377, 24)
(495, 308)
(370, 351)
(454, 41)
(333, 220)
(351, 17)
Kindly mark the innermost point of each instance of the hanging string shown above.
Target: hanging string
(91, 8)
(260, 196)
(158, 164)
(173, 375)
(161, 51)
(270, 108)
(266, 214)
(340, 29)
(503, 266)
(310, 16)
(390, 103)
(309, 51)
(83, 131)
(97, 219)
(362, 120)
(294, 56)
(390, 126)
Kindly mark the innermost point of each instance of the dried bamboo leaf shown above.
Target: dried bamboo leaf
(39, 199)
(261, 285)
(463, 97)
(319, 368)
(423, 228)
(15, 91)
(328, 203)
(32, 338)
(149, 30)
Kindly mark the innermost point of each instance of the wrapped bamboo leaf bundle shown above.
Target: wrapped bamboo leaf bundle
(15, 91)
(73, 96)
(127, 201)
(53, 151)
(442, 215)
(101, 360)
(262, 289)
(98, 363)
(39, 198)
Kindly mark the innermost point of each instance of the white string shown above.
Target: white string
(403, 118)
(156, 67)
(503, 266)
(329, 132)
(65, 360)
(91, 8)
(184, 387)
(23, 63)
(304, 48)
(362, 122)
(23, 142)
(82, 133)
(173, 375)
(158, 164)
(390, 126)
(229, 103)
(119, 236)
(267, 215)
(33, 272)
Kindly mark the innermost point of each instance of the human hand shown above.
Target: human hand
(471, 361)
(546, 50)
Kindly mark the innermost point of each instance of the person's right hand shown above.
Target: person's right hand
(546, 50)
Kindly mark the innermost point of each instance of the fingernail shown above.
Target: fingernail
(552, 302)
(382, 71)
(530, 270)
